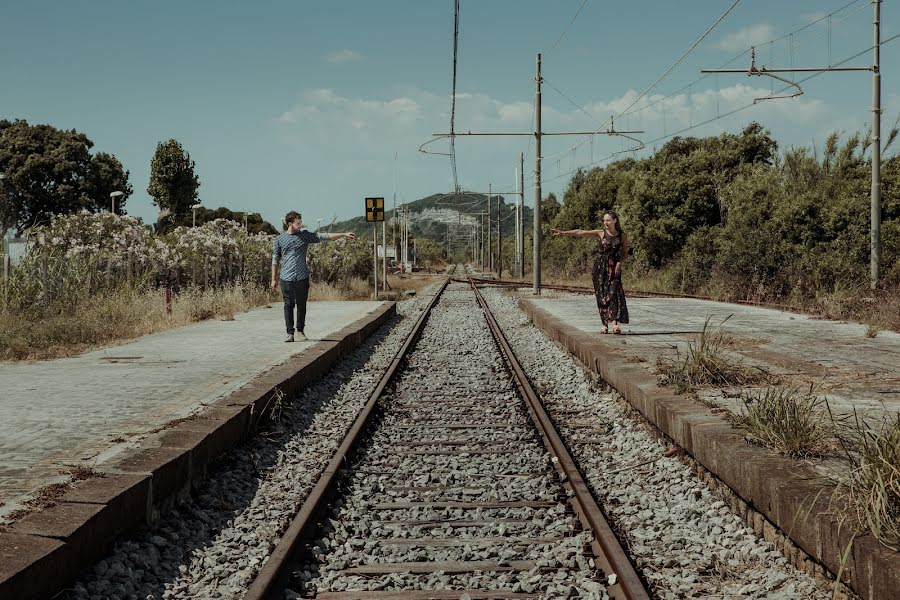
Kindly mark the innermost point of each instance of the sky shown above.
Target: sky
(301, 105)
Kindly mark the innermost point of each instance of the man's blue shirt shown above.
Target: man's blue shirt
(290, 249)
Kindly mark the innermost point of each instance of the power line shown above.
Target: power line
(566, 30)
(722, 116)
(689, 85)
(453, 96)
(664, 75)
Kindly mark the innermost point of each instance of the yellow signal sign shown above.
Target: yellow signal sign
(374, 210)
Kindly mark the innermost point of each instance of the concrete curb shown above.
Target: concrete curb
(46, 550)
(789, 493)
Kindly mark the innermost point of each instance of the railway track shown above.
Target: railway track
(576, 289)
(452, 483)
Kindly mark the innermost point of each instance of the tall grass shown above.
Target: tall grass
(118, 314)
(707, 362)
(872, 489)
(790, 419)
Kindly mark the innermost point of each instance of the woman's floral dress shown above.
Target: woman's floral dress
(608, 284)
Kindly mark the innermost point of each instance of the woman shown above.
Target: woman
(607, 272)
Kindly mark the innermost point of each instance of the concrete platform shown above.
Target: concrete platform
(43, 551)
(92, 408)
(853, 371)
(769, 490)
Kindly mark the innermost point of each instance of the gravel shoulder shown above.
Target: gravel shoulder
(684, 540)
(212, 545)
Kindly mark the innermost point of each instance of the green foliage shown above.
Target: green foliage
(173, 183)
(107, 175)
(430, 253)
(338, 263)
(733, 211)
(255, 222)
(49, 171)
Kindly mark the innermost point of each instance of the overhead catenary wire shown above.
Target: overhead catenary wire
(567, 27)
(666, 98)
(453, 97)
(722, 116)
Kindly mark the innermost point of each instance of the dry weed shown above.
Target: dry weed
(790, 419)
(707, 363)
(872, 488)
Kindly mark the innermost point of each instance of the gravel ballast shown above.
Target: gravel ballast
(684, 539)
(211, 546)
(427, 496)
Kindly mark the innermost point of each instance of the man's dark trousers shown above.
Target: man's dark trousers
(295, 293)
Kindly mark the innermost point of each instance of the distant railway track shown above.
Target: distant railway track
(452, 482)
(574, 289)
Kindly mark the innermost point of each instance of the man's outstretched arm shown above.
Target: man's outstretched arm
(336, 236)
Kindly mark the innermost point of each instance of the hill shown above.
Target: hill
(433, 215)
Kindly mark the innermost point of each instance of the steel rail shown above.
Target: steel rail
(264, 585)
(622, 579)
(637, 294)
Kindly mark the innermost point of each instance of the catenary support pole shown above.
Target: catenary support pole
(536, 236)
(490, 247)
(521, 247)
(875, 258)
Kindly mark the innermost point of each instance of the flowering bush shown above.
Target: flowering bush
(81, 254)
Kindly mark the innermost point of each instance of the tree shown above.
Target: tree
(107, 175)
(255, 222)
(173, 183)
(430, 252)
(49, 171)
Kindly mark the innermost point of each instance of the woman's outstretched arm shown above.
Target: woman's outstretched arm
(575, 232)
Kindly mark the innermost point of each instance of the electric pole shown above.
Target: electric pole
(536, 236)
(875, 209)
(499, 238)
(875, 259)
(520, 249)
(490, 248)
(537, 133)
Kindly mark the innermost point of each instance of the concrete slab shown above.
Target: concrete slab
(98, 405)
(769, 489)
(852, 370)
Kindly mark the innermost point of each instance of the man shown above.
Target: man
(290, 249)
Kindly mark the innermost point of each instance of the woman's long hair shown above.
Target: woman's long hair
(615, 216)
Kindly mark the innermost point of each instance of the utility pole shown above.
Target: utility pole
(875, 209)
(515, 264)
(537, 133)
(490, 248)
(875, 258)
(394, 220)
(481, 243)
(499, 238)
(536, 236)
(520, 249)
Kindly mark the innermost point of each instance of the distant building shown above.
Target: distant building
(14, 247)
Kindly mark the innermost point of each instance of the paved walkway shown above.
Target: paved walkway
(850, 369)
(91, 407)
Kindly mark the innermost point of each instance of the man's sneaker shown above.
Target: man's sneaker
(290, 338)
(301, 336)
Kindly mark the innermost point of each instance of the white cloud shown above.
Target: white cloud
(344, 56)
(354, 134)
(743, 38)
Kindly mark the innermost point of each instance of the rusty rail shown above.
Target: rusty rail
(273, 571)
(577, 289)
(609, 553)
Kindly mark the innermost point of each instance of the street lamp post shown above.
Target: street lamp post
(194, 208)
(112, 200)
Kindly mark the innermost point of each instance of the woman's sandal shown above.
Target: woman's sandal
(605, 330)
(617, 330)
